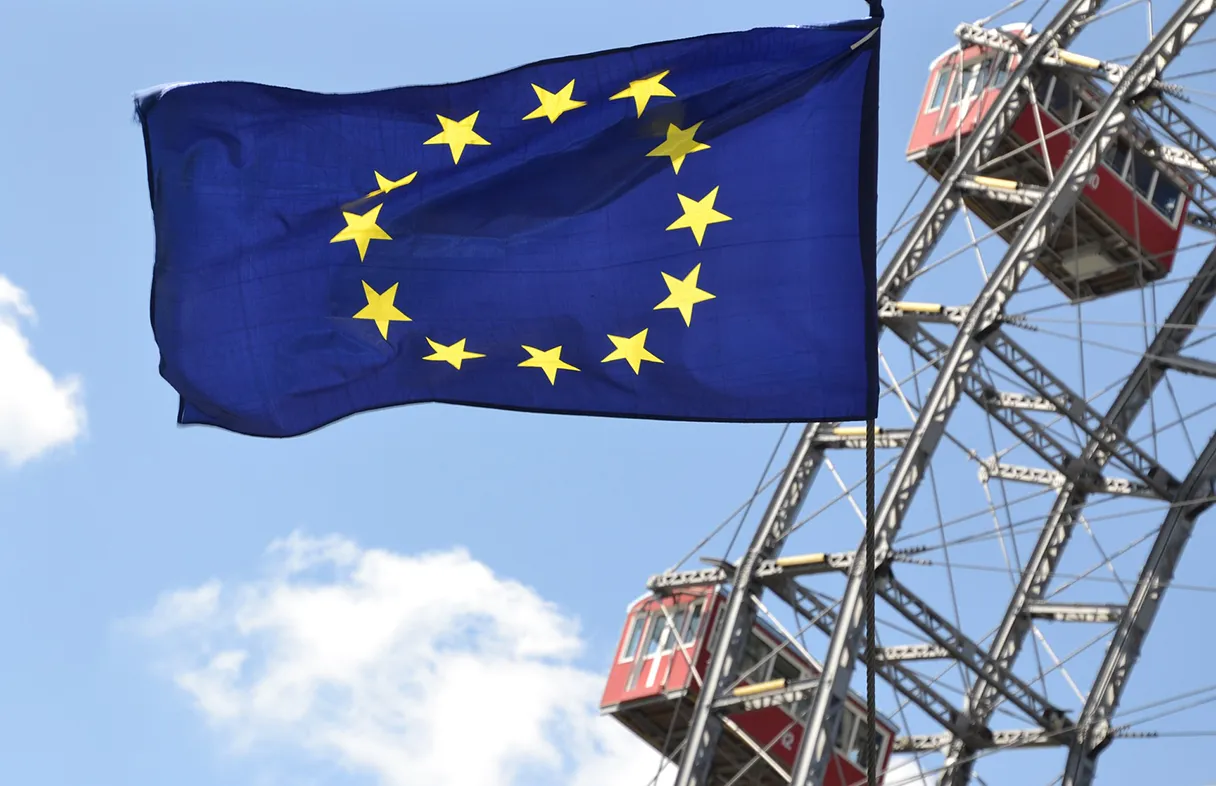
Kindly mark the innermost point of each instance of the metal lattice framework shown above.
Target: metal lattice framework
(1106, 460)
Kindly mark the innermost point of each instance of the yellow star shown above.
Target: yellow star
(457, 135)
(684, 294)
(679, 144)
(698, 214)
(380, 308)
(552, 105)
(453, 354)
(387, 185)
(362, 229)
(642, 90)
(632, 350)
(547, 360)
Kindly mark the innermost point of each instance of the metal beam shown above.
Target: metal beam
(1074, 612)
(1201, 368)
(991, 38)
(769, 570)
(1201, 221)
(1014, 194)
(906, 652)
(1017, 473)
(1107, 71)
(1007, 400)
(969, 654)
(856, 438)
(1039, 226)
(1014, 738)
(1136, 391)
(673, 580)
(1193, 498)
(784, 694)
(1074, 407)
(912, 686)
(924, 312)
(1033, 434)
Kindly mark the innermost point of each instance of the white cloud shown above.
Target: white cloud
(421, 670)
(37, 411)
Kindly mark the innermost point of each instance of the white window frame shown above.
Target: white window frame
(687, 635)
(939, 76)
(1172, 220)
(634, 619)
(844, 742)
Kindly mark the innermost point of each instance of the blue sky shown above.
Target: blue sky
(106, 675)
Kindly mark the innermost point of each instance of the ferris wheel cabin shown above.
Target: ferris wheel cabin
(656, 676)
(1126, 226)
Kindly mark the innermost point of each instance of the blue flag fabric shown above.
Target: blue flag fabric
(682, 230)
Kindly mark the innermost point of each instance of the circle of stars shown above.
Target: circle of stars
(683, 293)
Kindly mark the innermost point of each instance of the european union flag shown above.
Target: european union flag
(682, 230)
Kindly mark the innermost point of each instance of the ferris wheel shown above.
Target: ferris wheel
(1046, 444)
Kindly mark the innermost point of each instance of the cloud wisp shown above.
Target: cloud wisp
(38, 412)
(416, 670)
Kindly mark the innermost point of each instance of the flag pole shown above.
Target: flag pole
(871, 634)
(876, 12)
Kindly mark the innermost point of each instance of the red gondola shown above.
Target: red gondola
(656, 676)
(1126, 226)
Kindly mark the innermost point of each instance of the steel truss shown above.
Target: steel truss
(1074, 475)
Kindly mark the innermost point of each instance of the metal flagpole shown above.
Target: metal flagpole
(876, 12)
(871, 632)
